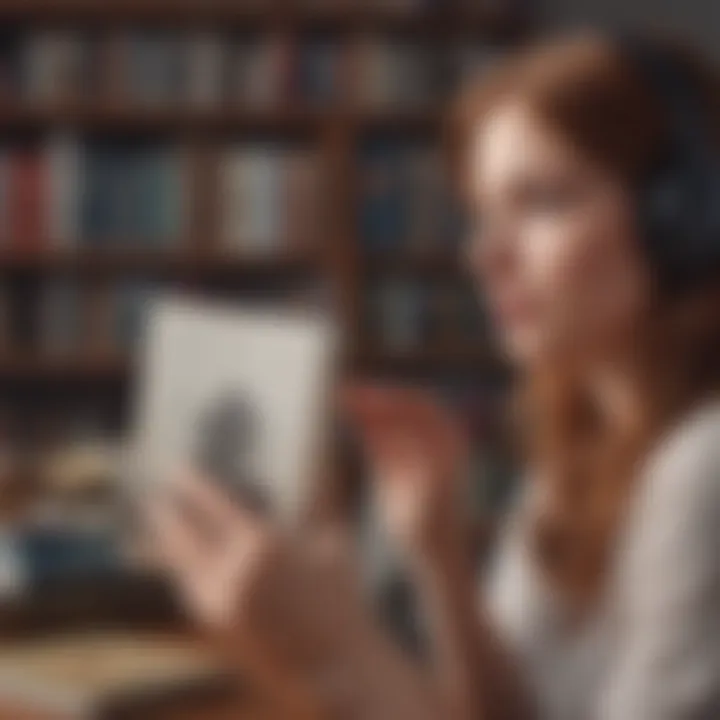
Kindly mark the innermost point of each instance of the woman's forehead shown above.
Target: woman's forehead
(512, 140)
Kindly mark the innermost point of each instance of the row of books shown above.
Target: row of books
(405, 314)
(71, 319)
(271, 195)
(67, 317)
(406, 199)
(56, 193)
(153, 69)
(67, 193)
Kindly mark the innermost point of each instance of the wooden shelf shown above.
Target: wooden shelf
(443, 264)
(144, 120)
(107, 118)
(497, 23)
(172, 262)
(91, 368)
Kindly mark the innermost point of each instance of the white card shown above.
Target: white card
(242, 392)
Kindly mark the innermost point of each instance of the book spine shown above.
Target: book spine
(28, 200)
(5, 329)
(383, 215)
(173, 197)
(4, 189)
(426, 200)
(400, 321)
(130, 305)
(232, 200)
(123, 185)
(261, 186)
(205, 71)
(38, 64)
(59, 326)
(70, 59)
(64, 166)
(10, 67)
(101, 337)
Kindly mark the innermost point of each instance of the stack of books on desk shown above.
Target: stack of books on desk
(102, 675)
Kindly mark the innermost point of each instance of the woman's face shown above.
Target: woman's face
(555, 249)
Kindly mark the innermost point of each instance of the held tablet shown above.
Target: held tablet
(240, 393)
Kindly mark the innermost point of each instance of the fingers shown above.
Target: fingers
(211, 506)
(176, 545)
(396, 415)
(196, 523)
(370, 404)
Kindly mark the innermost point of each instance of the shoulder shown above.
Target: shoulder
(676, 511)
(685, 463)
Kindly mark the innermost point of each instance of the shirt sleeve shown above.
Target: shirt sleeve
(666, 660)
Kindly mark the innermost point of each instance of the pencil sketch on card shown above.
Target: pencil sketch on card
(239, 394)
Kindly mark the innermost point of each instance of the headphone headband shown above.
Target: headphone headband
(679, 203)
(671, 85)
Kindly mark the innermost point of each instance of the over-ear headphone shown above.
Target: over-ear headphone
(679, 199)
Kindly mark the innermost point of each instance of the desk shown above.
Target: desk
(237, 709)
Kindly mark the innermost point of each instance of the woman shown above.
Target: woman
(595, 179)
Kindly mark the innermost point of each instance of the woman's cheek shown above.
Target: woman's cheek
(562, 275)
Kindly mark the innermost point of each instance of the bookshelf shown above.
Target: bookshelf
(490, 20)
(334, 256)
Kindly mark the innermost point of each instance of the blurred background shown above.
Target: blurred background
(284, 151)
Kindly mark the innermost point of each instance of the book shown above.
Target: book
(97, 675)
(406, 201)
(239, 392)
(391, 73)
(260, 71)
(128, 312)
(428, 199)
(10, 65)
(206, 70)
(61, 322)
(4, 197)
(136, 195)
(383, 197)
(319, 73)
(103, 196)
(253, 198)
(174, 197)
(66, 187)
(27, 198)
(5, 325)
(398, 314)
(156, 68)
(51, 67)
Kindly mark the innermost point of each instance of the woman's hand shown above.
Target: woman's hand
(418, 455)
(290, 610)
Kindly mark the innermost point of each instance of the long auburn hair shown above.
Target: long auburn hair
(585, 89)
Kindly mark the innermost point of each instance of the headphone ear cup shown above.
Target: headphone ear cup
(680, 220)
(664, 220)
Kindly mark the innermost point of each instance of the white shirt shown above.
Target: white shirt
(652, 649)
